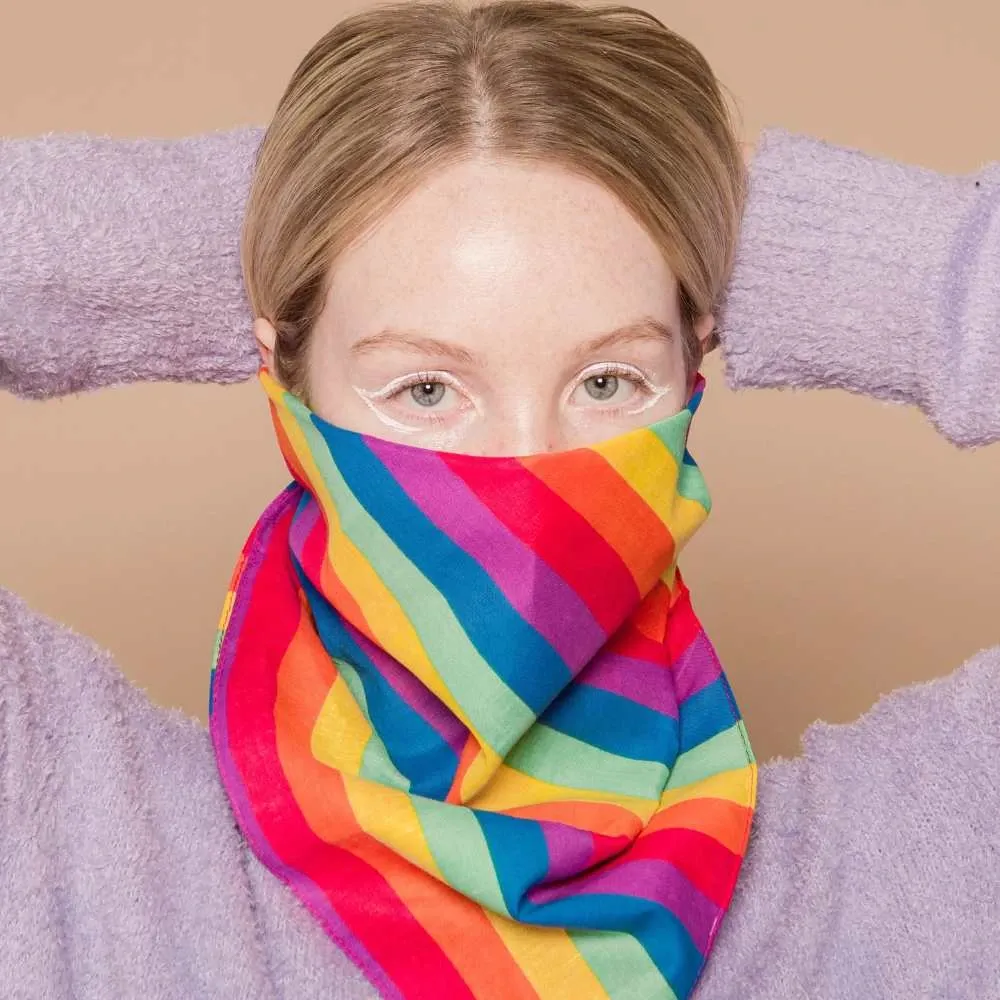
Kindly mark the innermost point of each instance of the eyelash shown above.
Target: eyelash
(619, 370)
(396, 388)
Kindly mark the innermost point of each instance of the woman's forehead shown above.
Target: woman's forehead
(496, 245)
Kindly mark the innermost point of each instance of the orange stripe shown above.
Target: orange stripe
(458, 925)
(594, 817)
(469, 754)
(340, 597)
(650, 617)
(615, 511)
(720, 819)
(285, 446)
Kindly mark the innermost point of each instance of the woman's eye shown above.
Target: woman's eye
(610, 385)
(601, 387)
(427, 393)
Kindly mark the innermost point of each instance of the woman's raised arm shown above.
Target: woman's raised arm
(119, 261)
(859, 273)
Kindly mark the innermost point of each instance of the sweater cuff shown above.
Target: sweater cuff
(859, 273)
(119, 261)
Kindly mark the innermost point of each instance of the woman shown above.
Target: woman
(803, 921)
(461, 701)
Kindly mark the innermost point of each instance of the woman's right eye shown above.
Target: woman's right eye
(428, 394)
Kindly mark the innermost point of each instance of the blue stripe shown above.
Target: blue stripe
(413, 745)
(706, 714)
(656, 928)
(514, 650)
(520, 856)
(618, 725)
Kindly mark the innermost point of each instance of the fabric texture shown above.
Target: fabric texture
(463, 706)
(872, 868)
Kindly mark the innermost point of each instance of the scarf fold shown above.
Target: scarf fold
(464, 708)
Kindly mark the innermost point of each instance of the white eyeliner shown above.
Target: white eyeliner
(369, 397)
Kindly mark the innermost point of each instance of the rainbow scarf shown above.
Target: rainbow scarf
(463, 707)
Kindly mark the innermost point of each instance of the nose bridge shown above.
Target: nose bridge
(524, 426)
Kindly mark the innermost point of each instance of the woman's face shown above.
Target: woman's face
(501, 309)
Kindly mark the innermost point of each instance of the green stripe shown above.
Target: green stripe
(691, 484)
(376, 764)
(495, 711)
(459, 847)
(622, 965)
(673, 432)
(726, 751)
(548, 755)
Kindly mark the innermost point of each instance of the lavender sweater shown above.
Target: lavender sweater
(874, 868)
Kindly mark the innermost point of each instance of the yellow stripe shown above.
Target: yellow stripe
(652, 472)
(341, 732)
(227, 610)
(388, 815)
(393, 631)
(550, 960)
(735, 786)
(511, 789)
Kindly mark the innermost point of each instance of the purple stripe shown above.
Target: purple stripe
(570, 850)
(311, 895)
(421, 699)
(415, 694)
(649, 684)
(534, 589)
(657, 881)
(302, 526)
(696, 668)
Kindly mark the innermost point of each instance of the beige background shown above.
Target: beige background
(851, 550)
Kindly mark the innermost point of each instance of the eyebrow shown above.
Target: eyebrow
(646, 328)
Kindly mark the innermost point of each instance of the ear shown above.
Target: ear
(704, 330)
(266, 337)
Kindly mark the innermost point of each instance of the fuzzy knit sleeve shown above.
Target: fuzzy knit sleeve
(858, 273)
(119, 261)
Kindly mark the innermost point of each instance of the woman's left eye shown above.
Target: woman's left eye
(428, 393)
(601, 387)
(609, 385)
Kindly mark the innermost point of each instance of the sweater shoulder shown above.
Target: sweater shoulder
(65, 703)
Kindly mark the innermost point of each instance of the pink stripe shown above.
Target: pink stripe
(696, 668)
(658, 881)
(649, 684)
(302, 526)
(534, 589)
(570, 850)
(419, 698)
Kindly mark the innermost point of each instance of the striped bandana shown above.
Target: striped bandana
(463, 707)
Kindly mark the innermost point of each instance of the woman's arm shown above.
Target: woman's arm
(858, 273)
(872, 871)
(119, 261)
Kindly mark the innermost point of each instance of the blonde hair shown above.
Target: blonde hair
(393, 93)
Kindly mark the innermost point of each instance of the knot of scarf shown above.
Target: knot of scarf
(463, 706)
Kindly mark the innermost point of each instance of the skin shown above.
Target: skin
(480, 316)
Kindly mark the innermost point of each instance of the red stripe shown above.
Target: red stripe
(629, 641)
(684, 624)
(708, 865)
(528, 508)
(359, 895)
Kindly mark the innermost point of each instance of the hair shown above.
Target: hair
(393, 93)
